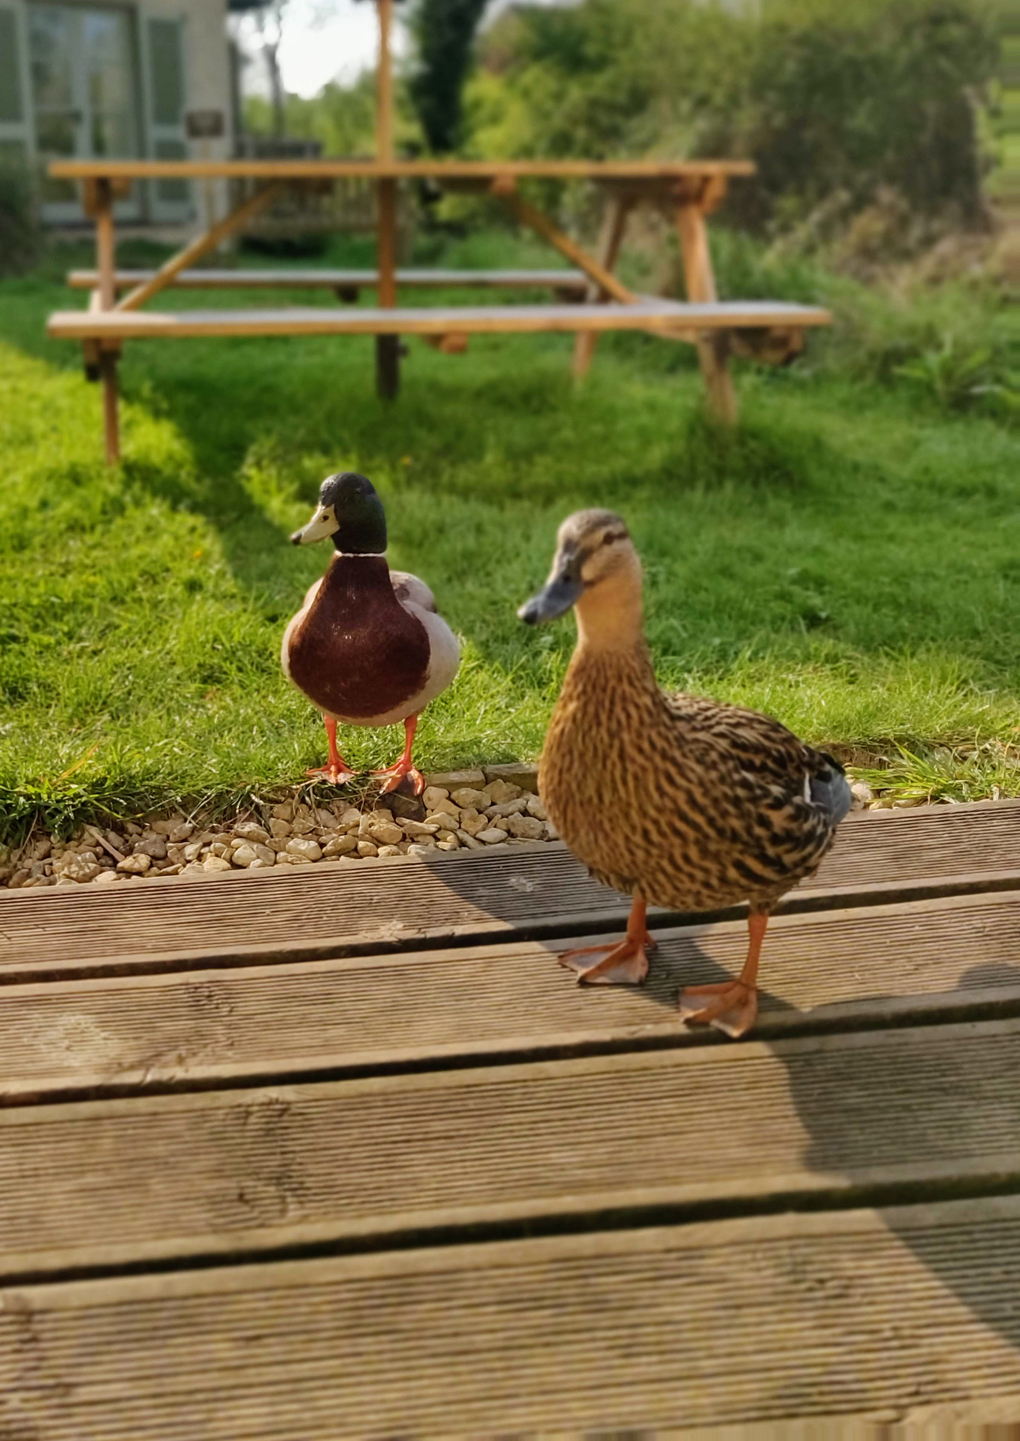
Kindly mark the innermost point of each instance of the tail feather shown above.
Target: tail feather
(830, 789)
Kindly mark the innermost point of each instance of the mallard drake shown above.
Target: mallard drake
(367, 646)
(674, 799)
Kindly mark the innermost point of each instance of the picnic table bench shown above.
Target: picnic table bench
(347, 284)
(688, 191)
(342, 1152)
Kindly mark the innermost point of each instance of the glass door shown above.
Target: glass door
(85, 95)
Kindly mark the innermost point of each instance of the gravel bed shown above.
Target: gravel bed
(459, 810)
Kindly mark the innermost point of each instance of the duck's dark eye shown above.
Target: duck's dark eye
(609, 537)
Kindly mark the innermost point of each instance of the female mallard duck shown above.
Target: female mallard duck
(676, 800)
(367, 647)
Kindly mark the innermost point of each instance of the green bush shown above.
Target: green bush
(827, 98)
(19, 222)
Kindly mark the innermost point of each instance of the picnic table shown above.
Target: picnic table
(687, 190)
(342, 1152)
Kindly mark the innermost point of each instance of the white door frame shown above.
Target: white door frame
(20, 132)
(72, 210)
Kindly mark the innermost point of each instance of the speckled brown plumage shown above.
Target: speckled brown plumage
(694, 804)
(677, 800)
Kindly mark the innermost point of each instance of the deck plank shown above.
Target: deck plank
(854, 1314)
(100, 1184)
(953, 957)
(312, 912)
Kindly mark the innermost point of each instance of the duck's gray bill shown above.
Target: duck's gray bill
(552, 600)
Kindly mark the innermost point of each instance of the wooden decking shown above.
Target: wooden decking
(342, 1152)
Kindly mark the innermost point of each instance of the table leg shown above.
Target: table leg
(106, 244)
(387, 347)
(614, 223)
(713, 349)
(106, 259)
(111, 419)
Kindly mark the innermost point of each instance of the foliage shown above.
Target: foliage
(847, 560)
(444, 31)
(340, 117)
(828, 99)
(20, 236)
(957, 379)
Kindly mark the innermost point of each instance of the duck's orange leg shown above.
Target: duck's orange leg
(405, 765)
(623, 963)
(735, 1008)
(336, 770)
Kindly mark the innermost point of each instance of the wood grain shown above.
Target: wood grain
(308, 279)
(608, 170)
(854, 1314)
(433, 320)
(949, 958)
(312, 912)
(241, 1171)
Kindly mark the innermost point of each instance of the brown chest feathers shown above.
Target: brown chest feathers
(358, 653)
(696, 805)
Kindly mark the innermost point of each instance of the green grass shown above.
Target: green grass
(848, 560)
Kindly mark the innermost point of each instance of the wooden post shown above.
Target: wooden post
(714, 349)
(387, 347)
(384, 86)
(106, 261)
(527, 213)
(614, 222)
(111, 419)
(106, 244)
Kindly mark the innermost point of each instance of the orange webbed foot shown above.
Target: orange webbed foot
(622, 963)
(733, 1012)
(395, 773)
(336, 775)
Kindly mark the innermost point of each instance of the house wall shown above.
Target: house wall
(208, 87)
(208, 63)
(181, 66)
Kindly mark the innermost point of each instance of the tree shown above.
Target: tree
(444, 32)
(267, 18)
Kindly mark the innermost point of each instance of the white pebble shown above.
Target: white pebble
(421, 828)
(499, 791)
(307, 850)
(133, 865)
(469, 797)
(526, 827)
(492, 837)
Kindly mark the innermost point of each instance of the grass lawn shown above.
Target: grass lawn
(848, 560)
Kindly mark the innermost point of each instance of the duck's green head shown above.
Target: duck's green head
(351, 512)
